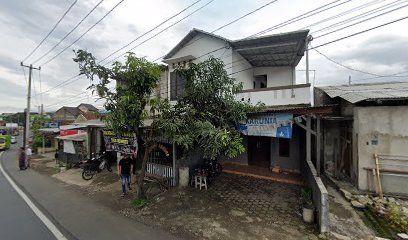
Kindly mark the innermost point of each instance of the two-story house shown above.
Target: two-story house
(266, 67)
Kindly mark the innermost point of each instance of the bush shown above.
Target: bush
(398, 217)
(139, 202)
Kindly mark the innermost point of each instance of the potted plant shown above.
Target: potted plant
(308, 208)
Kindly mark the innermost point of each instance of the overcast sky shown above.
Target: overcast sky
(24, 23)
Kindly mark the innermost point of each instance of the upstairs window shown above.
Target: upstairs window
(177, 84)
(260, 81)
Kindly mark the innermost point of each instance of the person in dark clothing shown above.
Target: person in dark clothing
(22, 159)
(124, 169)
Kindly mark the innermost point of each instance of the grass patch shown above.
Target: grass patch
(139, 202)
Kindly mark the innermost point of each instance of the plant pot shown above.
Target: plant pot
(308, 214)
(184, 176)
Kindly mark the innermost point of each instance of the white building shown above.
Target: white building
(264, 65)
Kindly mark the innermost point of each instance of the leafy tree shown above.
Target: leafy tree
(207, 114)
(37, 123)
(136, 79)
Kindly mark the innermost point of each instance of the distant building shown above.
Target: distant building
(84, 107)
(82, 112)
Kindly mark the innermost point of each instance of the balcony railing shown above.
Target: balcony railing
(275, 96)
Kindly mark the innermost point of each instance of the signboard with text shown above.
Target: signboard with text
(124, 143)
(277, 125)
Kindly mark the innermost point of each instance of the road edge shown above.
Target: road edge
(45, 217)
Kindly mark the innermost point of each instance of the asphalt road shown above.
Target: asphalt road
(75, 215)
(17, 220)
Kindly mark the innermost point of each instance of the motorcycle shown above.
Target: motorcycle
(94, 166)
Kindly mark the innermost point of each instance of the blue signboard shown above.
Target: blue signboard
(277, 125)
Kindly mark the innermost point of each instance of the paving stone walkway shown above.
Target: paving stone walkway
(270, 201)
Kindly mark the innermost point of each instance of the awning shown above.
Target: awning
(80, 137)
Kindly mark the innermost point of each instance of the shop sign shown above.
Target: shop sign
(124, 143)
(68, 132)
(277, 125)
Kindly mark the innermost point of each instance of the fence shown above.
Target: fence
(161, 171)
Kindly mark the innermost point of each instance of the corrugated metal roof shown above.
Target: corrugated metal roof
(372, 91)
(284, 49)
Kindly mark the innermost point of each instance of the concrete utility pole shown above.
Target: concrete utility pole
(27, 122)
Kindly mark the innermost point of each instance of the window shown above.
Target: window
(284, 147)
(260, 81)
(177, 84)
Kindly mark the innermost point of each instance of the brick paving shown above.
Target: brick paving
(270, 201)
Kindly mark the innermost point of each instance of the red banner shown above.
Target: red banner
(68, 132)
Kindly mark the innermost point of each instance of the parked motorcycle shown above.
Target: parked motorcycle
(94, 166)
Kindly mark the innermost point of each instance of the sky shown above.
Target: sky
(377, 55)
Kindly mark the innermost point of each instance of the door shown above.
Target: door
(259, 149)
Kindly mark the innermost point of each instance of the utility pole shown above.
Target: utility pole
(27, 122)
(349, 80)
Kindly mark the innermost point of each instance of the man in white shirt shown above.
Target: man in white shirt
(28, 156)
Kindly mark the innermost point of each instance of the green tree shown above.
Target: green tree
(136, 80)
(37, 123)
(207, 114)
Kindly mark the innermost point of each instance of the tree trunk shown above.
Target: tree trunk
(140, 193)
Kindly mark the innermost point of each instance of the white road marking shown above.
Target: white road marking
(53, 229)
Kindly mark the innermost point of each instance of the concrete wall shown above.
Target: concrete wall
(331, 144)
(205, 45)
(240, 159)
(320, 195)
(277, 97)
(292, 162)
(277, 76)
(382, 130)
(242, 69)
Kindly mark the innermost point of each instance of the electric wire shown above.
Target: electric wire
(151, 30)
(360, 32)
(364, 14)
(52, 30)
(69, 33)
(228, 24)
(362, 21)
(343, 13)
(158, 33)
(300, 17)
(83, 34)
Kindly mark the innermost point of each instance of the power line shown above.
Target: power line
(149, 31)
(74, 78)
(344, 66)
(360, 32)
(52, 30)
(228, 24)
(162, 31)
(300, 17)
(370, 12)
(89, 29)
(69, 33)
(343, 13)
(362, 21)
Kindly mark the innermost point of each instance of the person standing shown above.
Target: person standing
(29, 152)
(22, 159)
(124, 170)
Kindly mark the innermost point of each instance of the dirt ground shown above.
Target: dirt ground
(233, 207)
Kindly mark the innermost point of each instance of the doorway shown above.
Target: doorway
(259, 150)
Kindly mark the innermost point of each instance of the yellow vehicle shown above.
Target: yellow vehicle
(5, 141)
